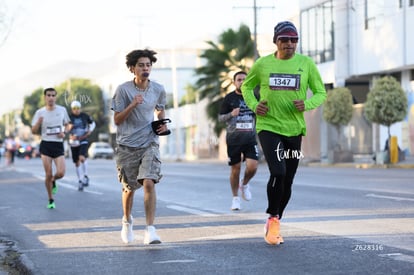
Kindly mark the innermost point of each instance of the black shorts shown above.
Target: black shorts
(52, 149)
(81, 150)
(235, 152)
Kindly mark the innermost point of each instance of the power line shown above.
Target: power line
(255, 8)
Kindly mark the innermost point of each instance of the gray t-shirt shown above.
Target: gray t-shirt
(136, 130)
(53, 122)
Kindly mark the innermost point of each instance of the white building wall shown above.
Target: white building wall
(192, 134)
(408, 30)
(380, 47)
(384, 47)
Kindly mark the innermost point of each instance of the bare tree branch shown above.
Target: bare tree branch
(6, 22)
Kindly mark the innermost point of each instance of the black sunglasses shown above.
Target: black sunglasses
(287, 39)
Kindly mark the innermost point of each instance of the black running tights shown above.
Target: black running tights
(282, 155)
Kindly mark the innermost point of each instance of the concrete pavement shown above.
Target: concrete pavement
(12, 262)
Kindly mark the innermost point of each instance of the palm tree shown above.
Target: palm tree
(233, 52)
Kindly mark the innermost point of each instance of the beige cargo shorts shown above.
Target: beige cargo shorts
(136, 164)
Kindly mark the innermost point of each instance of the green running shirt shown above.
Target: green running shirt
(281, 82)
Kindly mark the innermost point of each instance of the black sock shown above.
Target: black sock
(51, 201)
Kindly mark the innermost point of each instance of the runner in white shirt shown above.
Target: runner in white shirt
(52, 123)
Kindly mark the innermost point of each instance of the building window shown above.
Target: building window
(396, 75)
(374, 11)
(317, 32)
(411, 3)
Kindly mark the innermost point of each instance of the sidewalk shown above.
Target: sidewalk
(364, 162)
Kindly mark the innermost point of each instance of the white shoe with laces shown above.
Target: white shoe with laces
(150, 236)
(245, 192)
(127, 233)
(235, 204)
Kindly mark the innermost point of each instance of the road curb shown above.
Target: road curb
(361, 165)
(12, 261)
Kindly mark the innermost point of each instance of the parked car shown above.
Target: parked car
(100, 149)
(24, 151)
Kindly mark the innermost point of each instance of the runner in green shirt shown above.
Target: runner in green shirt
(284, 78)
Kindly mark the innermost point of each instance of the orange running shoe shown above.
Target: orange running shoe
(272, 231)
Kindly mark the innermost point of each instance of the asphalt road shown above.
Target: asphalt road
(339, 221)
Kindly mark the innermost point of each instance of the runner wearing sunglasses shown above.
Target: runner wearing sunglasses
(284, 78)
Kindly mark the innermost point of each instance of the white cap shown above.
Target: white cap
(75, 104)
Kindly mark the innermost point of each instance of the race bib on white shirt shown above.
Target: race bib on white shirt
(53, 130)
(74, 142)
(244, 125)
(284, 82)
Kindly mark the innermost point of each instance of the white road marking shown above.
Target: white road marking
(70, 186)
(389, 197)
(174, 261)
(191, 211)
(399, 257)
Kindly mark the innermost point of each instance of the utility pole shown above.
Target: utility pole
(255, 8)
(256, 53)
(175, 102)
(138, 21)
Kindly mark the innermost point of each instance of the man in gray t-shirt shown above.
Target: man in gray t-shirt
(138, 157)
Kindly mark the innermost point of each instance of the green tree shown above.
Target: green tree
(82, 90)
(233, 52)
(190, 96)
(337, 110)
(386, 102)
(31, 103)
(2, 132)
(91, 97)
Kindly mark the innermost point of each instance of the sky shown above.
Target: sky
(45, 32)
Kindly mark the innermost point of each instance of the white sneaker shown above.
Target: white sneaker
(245, 192)
(85, 181)
(235, 204)
(150, 236)
(127, 233)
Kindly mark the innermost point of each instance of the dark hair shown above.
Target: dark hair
(132, 57)
(236, 74)
(49, 90)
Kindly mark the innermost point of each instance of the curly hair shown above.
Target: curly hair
(132, 57)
